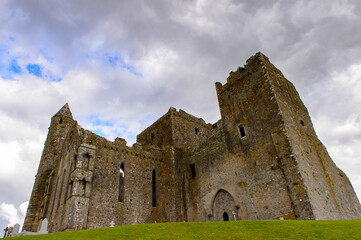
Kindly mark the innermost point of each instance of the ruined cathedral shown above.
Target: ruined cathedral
(261, 160)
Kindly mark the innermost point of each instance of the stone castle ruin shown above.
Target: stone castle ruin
(261, 160)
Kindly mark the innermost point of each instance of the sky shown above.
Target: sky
(121, 64)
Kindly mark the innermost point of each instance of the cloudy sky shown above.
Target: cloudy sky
(121, 64)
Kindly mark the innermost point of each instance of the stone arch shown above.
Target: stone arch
(224, 206)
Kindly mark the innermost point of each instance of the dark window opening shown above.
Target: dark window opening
(122, 167)
(193, 170)
(255, 163)
(152, 136)
(302, 123)
(154, 197)
(225, 216)
(229, 98)
(61, 120)
(196, 130)
(266, 207)
(121, 183)
(242, 131)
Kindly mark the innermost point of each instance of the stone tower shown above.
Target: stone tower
(261, 160)
(38, 209)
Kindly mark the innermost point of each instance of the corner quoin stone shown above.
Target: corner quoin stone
(261, 160)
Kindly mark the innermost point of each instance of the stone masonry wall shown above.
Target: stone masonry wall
(262, 160)
(330, 192)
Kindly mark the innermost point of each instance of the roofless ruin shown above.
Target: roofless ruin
(261, 160)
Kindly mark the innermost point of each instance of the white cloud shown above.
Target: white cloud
(13, 215)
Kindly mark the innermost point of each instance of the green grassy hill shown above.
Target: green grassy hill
(260, 229)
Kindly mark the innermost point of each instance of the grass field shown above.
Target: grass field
(259, 229)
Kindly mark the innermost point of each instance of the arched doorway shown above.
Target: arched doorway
(223, 206)
(225, 216)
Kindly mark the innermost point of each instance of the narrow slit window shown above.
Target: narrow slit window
(61, 120)
(121, 183)
(242, 131)
(193, 170)
(154, 193)
(152, 136)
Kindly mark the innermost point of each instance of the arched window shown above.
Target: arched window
(242, 131)
(121, 183)
(61, 120)
(154, 193)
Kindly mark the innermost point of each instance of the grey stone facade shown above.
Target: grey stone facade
(261, 160)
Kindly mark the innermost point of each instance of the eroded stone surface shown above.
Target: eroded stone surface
(261, 160)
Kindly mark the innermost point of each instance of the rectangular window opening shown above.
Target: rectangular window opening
(193, 170)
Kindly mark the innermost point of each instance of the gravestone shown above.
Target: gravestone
(44, 226)
(15, 230)
(10, 231)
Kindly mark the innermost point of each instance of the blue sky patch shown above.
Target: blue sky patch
(34, 69)
(99, 132)
(14, 67)
(53, 78)
(115, 60)
(95, 121)
(7, 71)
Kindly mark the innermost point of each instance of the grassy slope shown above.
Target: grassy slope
(258, 229)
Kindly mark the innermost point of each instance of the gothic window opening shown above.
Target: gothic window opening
(193, 170)
(196, 130)
(121, 183)
(61, 120)
(242, 131)
(154, 193)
